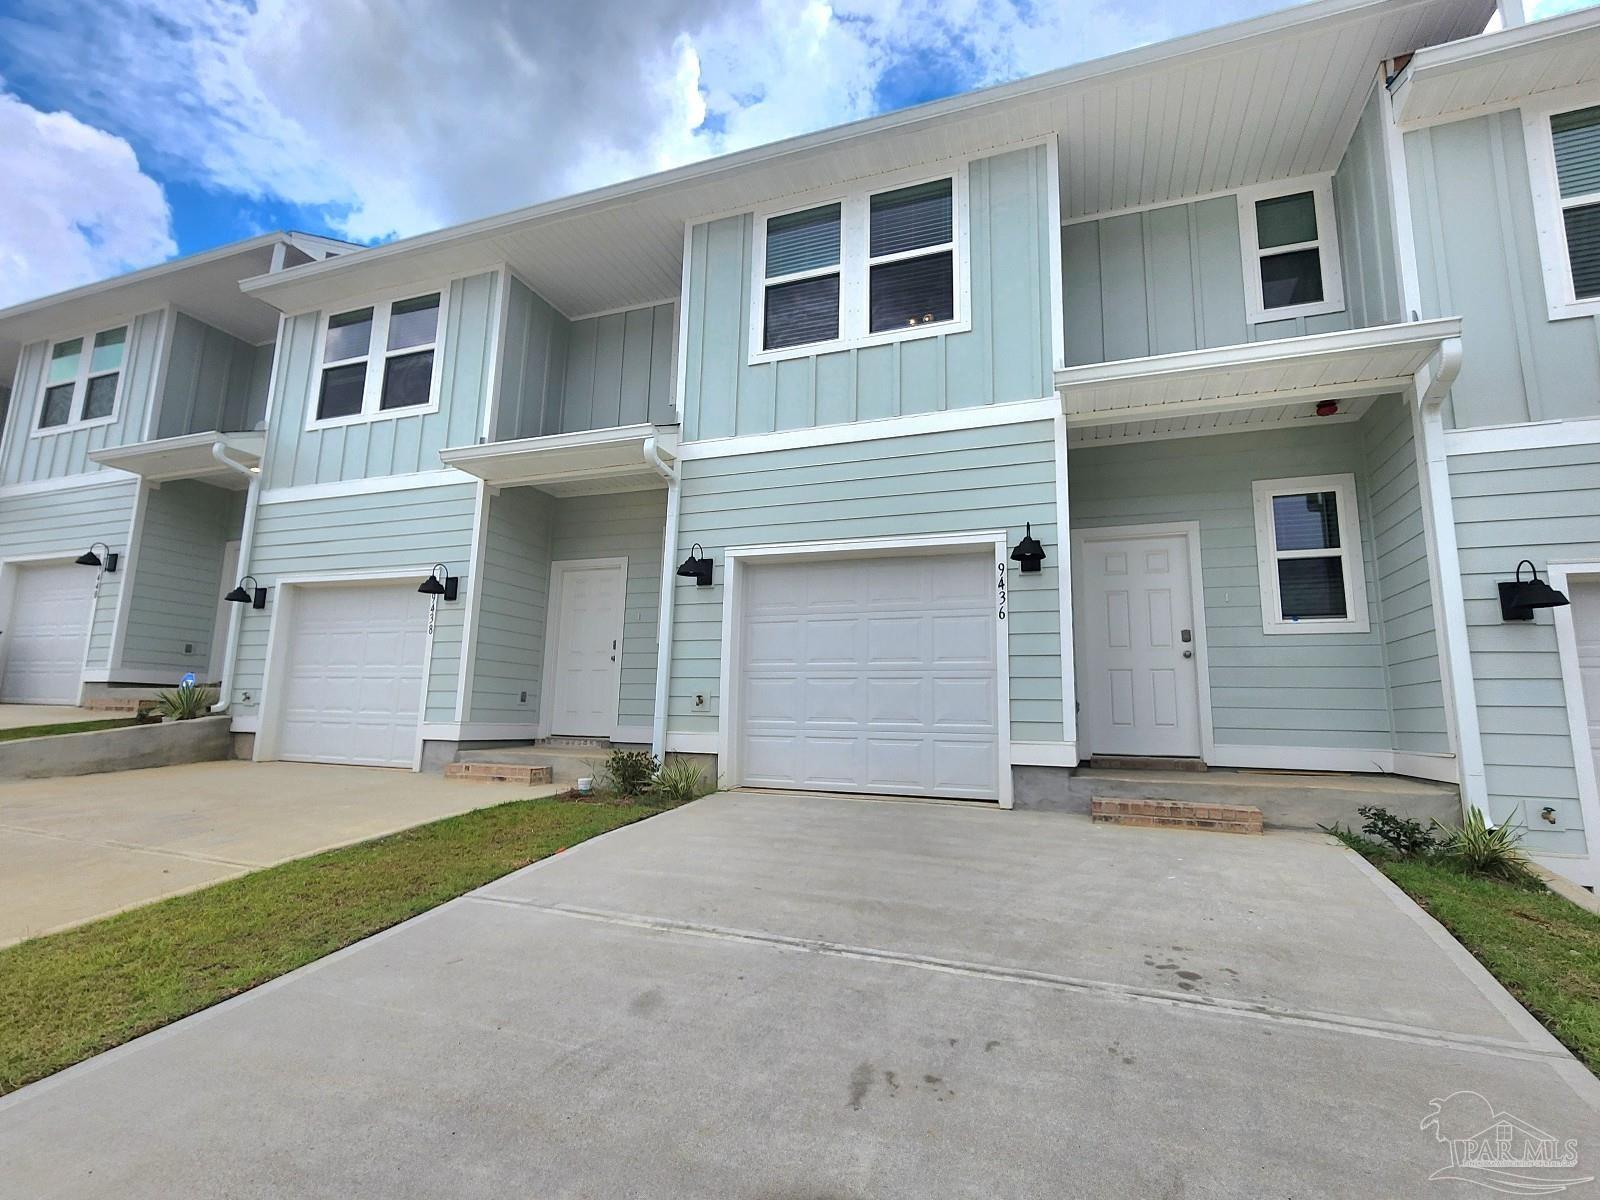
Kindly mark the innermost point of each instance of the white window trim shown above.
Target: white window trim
(854, 263)
(1548, 206)
(377, 355)
(1350, 554)
(1327, 244)
(80, 382)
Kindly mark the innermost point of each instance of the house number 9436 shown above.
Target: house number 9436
(1001, 588)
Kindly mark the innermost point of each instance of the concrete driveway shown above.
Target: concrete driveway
(812, 997)
(75, 849)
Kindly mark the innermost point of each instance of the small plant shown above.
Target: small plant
(185, 702)
(630, 772)
(1360, 843)
(1479, 848)
(680, 782)
(1408, 838)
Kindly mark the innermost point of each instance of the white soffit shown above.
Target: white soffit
(1495, 70)
(565, 464)
(1359, 362)
(1299, 415)
(1275, 97)
(187, 457)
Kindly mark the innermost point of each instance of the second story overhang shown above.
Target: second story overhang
(225, 460)
(621, 459)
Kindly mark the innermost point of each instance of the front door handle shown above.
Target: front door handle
(1188, 653)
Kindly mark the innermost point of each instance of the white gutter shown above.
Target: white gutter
(669, 552)
(219, 451)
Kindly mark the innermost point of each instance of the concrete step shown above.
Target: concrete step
(1176, 814)
(496, 772)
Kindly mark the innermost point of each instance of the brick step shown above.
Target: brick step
(487, 772)
(117, 704)
(1175, 814)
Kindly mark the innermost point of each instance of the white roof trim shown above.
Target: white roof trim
(186, 457)
(596, 460)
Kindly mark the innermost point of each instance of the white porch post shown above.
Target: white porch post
(1069, 674)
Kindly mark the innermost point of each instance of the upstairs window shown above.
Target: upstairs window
(1564, 168)
(1291, 253)
(379, 361)
(875, 266)
(1308, 549)
(83, 380)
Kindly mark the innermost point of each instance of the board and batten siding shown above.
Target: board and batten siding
(62, 524)
(177, 578)
(214, 381)
(532, 365)
(1325, 690)
(27, 456)
(998, 477)
(1542, 504)
(398, 445)
(1363, 206)
(1004, 357)
(1478, 258)
(508, 644)
(406, 530)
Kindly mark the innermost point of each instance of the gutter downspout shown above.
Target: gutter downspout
(669, 550)
(219, 451)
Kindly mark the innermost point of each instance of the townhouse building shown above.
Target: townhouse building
(1190, 404)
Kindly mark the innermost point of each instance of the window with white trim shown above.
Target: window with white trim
(1564, 166)
(82, 388)
(875, 266)
(1291, 250)
(1308, 549)
(379, 361)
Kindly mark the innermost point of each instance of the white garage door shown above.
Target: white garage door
(871, 675)
(352, 690)
(44, 640)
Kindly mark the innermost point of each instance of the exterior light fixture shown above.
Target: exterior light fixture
(1327, 408)
(255, 595)
(1520, 598)
(1029, 553)
(90, 559)
(440, 582)
(696, 567)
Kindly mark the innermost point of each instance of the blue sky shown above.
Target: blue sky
(132, 130)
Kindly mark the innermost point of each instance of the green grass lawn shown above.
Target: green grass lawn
(33, 731)
(1542, 947)
(71, 995)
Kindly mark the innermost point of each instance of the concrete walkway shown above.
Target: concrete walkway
(75, 849)
(805, 997)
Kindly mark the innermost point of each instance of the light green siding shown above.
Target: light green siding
(993, 478)
(1005, 356)
(1363, 206)
(508, 647)
(176, 574)
(532, 366)
(1300, 689)
(1478, 258)
(407, 530)
(392, 445)
(212, 381)
(25, 458)
(626, 525)
(62, 524)
(1541, 504)
(618, 371)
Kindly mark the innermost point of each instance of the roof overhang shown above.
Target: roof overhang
(1498, 70)
(1270, 98)
(1326, 366)
(194, 456)
(623, 459)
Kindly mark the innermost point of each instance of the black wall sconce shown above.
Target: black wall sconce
(696, 567)
(90, 559)
(255, 595)
(440, 583)
(1520, 598)
(1029, 552)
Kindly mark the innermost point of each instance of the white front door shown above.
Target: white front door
(587, 632)
(46, 632)
(1139, 680)
(1585, 595)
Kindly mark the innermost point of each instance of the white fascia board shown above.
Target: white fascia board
(186, 457)
(562, 455)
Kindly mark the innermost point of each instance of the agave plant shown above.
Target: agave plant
(185, 702)
(1479, 848)
(680, 781)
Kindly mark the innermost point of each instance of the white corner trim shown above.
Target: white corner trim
(1351, 554)
(1533, 435)
(478, 731)
(502, 326)
(245, 723)
(1561, 576)
(978, 417)
(1064, 590)
(444, 477)
(692, 743)
(1326, 244)
(477, 551)
(1044, 754)
(1404, 236)
(1058, 309)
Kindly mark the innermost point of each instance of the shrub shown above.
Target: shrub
(185, 702)
(630, 772)
(680, 782)
(1360, 843)
(1408, 838)
(1481, 849)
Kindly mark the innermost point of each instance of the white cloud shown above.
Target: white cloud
(75, 206)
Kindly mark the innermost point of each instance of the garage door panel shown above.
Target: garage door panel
(771, 759)
(833, 762)
(965, 639)
(47, 634)
(896, 763)
(774, 643)
(897, 640)
(897, 701)
(964, 767)
(965, 702)
(832, 641)
(772, 699)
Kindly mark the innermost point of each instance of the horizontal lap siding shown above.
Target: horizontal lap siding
(403, 530)
(1005, 356)
(508, 647)
(1323, 690)
(1544, 505)
(63, 524)
(995, 478)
